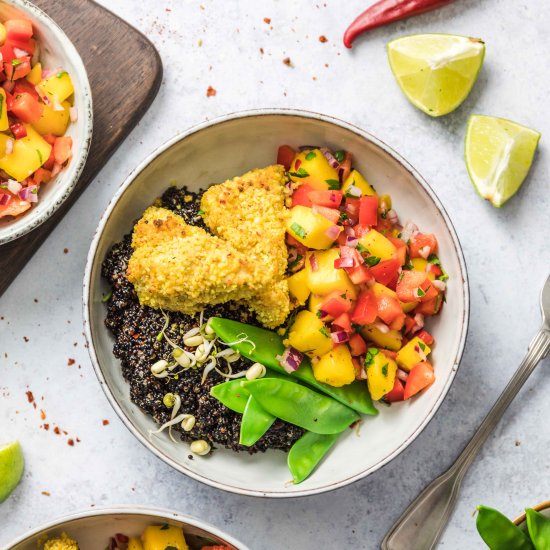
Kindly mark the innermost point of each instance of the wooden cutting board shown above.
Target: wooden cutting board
(96, 34)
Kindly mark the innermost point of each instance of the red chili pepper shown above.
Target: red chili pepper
(388, 11)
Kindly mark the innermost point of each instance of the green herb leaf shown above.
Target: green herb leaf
(373, 351)
(343, 217)
(361, 248)
(295, 262)
(300, 173)
(333, 185)
(372, 261)
(164, 527)
(318, 313)
(201, 212)
(15, 62)
(422, 346)
(324, 332)
(61, 73)
(385, 370)
(298, 230)
(340, 155)
(444, 275)
(311, 155)
(40, 156)
(420, 293)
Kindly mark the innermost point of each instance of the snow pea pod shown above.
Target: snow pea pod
(256, 421)
(269, 344)
(539, 529)
(301, 406)
(231, 394)
(499, 533)
(307, 452)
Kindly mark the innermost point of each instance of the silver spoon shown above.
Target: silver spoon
(422, 523)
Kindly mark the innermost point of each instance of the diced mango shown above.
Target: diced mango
(310, 228)
(4, 138)
(389, 340)
(355, 178)
(315, 301)
(335, 368)
(29, 153)
(308, 334)
(326, 278)
(160, 537)
(297, 286)
(53, 122)
(312, 168)
(378, 245)
(3, 34)
(35, 76)
(4, 122)
(419, 264)
(135, 544)
(57, 87)
(412, 353)
(381, 371)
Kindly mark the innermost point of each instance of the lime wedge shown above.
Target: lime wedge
(498, 155)
(11, 468)
(436, 71)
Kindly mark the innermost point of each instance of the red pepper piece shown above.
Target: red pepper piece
(388, 11)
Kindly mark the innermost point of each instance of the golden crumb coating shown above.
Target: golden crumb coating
(63, 542)
(272, 306)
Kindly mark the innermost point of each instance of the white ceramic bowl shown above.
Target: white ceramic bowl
(543, 508)
(93, 529)
(56, 50)
(230, 146)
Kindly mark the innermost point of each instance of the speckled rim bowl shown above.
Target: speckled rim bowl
(543, 508)
(224, 148)
(93, 528)
(56, 50)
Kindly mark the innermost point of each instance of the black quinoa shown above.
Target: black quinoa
(135, 329)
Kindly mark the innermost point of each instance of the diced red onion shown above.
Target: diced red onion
(333, 232)
(313, 263)
(46, 73)
(33, 193)
(5, 199)
(425, 252)
(14, 186)
(343, 262)
(123, 539)
(291, 359)
(73, 114)
(8, 85)
(44, 97)
(19, 53)
(402, 375)
(392, 216)
(350, 232)
(440, 285)
(354, 191)
(56, 169)
(24, 194)
(419, 320)
(9, 146)
(352, 241)
(340, 175)
(339, 337)
(335, 199)
(383, 328)
(330, 157)
(408, 231)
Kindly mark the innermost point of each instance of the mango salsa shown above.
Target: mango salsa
(335, 368)
(381, 371)
(57, 87)
(390, 340)
(312, 168)
(53, 122)
(161, 537)
(297, 286)
(135, 544)
(308, 334)
(356, 179)
(414, 352)
(310, 228)
(4, 123)
(326, 278)
(378, 245)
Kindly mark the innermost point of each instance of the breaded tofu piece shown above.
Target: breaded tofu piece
(63, 542)
(249, 212)
(180, 267)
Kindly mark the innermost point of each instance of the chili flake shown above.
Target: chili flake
(288, 62)
(105, 422)
(210, 92)
(70, 361)
(267, 20)
(323, 39)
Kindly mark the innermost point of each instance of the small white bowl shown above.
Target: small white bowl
(543, 508)
(56, 50)
(227, 147)
(94, 528)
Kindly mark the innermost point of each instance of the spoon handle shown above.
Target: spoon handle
(422, 523)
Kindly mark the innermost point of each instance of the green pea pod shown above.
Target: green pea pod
(231, 394)
(256, 421)
(269, 344)
(539, 529)
(307, 452)
(499, 533)
(301, 406)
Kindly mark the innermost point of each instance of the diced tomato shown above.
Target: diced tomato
(20, 29)
(357, 345)
(17, 68)
(18, 130)
(430, 307)
(335, 304)
(359, 275)
(401, 246)
(328, 213)
(343, 322)
(368, 210)
(418, 242)
(436, 270)
(28, 46)
(62, 149)
(410, 282)
(300, 197)
(49, 164)
(426, 337)
(361, 230)
(386, 271)
(352, 207)
(9, 98)
(285, 156)
(420, 377)
(366, 309)
(330, 199)
(389, 354)
(410, 323)
(24, 86)
(384, 226)
(397, 393)
(50, 138)
(7, 53)
(41, 176)
(345, 167)
(398, 322)
(26, 108)
(388, 308)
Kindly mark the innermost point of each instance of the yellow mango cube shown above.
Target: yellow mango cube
(312, 168)
(419, 264)
(378, 245)
(4, 122)
(29, 153)
(52, 121)
(310, 228)
(297, 286)
(35, 76)
(379, 289)
(159, 537)
(315, 301)
(381, 371)
(355, 178)
(390, 340)
(135, 544)
(335, 368)
(327, 278)
(308, 334)
(57, 87)
(412, 353)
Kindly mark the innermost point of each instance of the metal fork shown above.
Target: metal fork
(423, 522)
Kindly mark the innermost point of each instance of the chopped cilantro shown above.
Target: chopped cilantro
(319, 314)
(170, 548)
(385, 370)
(340, 155)
(444, 275)
(361, 248)
(420, 293)
(372, 261)
(34, 190)
(356, 327)
(421, 345)
(369, 357)
(383, 214)
(61, 73)
(298, 230)
(311, 155)
(343, 217)
(39, 156)
(300, 173)
(408, 266)
(201, 212)
(1, 102)
(15, 62)
(373, 351)
(433, 259)
(401, 275)
(333, 185)
(324, 332)
(18, 96)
